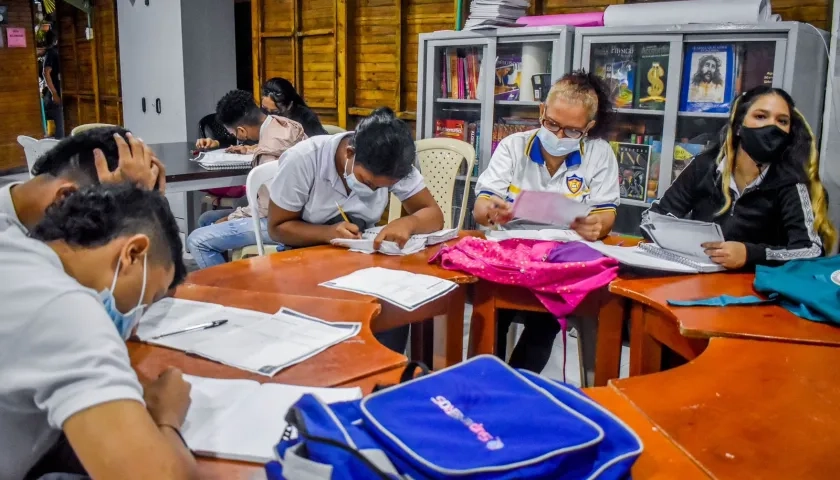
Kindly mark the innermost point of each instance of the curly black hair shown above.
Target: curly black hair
(238, 108)
(72, 157)
(384, 144)
(587, 83)
(97, 214)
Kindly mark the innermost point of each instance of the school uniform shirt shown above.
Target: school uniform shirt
(8, 215)
(773, 216)
(307, 182)
(59, 353)
(277, 134)
(589, 176)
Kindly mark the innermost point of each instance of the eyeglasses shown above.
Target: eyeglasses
(553, 127)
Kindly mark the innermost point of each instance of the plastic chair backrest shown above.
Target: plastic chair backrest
(332, 129)
(259, 176)
(89, 126)
(440, 161)
(30, 149)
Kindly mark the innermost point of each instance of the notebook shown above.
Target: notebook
(415, 244)
(253, 341)
(406, 290)
(680, 240)
(243, 420)
(635, 257)
(549, 208)
(222, 160)
(549, 235)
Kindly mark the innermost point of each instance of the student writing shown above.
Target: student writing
(760, 184)
(82, 280)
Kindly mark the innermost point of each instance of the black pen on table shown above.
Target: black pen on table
(203, 326)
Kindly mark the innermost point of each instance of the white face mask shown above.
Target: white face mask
(555, 146)
(354, 184)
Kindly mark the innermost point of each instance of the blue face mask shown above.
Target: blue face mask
(354, 184)
(125, 322)
(557, 147)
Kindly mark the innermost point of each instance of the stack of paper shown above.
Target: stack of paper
(495, 13)
(549, 235)
(243, 420)
(406, 290)
(415, 244)
(252, 341)
(549, 208)
(222, 160)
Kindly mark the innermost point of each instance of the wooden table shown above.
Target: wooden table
(661, 459)
(300, 271)
(749, 409)
(353, 360)
(604, 338)
(686, 330)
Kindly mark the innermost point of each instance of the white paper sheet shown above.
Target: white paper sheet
(415, 244)
(406, 290)
(220, 158)
(549, 208)
(549, 235)
(688, 11)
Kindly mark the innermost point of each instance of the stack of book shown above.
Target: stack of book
(495, 13)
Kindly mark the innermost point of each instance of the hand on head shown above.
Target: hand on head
(138, 164)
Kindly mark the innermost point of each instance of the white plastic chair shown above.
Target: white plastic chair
(34, 148)
(88, 126)
(440, 161)
(259, 176)
(332, 129)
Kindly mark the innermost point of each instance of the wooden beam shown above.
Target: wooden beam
(296, 48)
(398, 35)
(278, 34)
(117, 65)
(78, 74)
(315, 32)
(363, 112)
(256, 45)
(94, 68)
(341, 61)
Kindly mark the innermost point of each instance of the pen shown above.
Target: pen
(341, 211)
(203, 326)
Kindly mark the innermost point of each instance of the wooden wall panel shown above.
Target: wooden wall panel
(19, 98)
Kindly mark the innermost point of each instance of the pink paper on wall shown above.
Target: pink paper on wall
(15, 37)
(588, 19)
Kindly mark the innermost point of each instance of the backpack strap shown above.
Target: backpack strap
(410, 373)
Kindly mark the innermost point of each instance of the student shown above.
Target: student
(228, 229)
(80, 285)
(565, 155)
(93, 156)
(280, 98)
(760, 184)
(51, 72)
(356, 170)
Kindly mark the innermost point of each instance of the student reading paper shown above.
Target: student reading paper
(81, 282)
(564, 155)
(356, 171)
(760, 184)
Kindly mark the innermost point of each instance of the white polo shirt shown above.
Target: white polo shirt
(589, 176)
(7, 209)
(307, 181)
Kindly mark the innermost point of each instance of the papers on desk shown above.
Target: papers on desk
(415, 244)
(222, 160)
(253, 341)
(243, 420)
(406, 290)
(549, 208)
(549, 235)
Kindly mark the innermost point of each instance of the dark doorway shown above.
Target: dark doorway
(244, 58)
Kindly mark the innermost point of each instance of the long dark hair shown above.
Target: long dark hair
(800, 156)
(282, 92)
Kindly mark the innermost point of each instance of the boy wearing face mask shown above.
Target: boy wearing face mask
(81, 283)
(229, 229)
(564, 155)
(760, 183)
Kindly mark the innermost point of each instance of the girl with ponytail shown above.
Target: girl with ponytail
(760, 183)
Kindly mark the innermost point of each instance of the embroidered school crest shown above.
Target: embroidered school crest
(574, 183)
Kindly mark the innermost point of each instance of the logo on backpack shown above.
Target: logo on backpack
(490, 442)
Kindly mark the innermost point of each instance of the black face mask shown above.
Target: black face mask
(764, 144)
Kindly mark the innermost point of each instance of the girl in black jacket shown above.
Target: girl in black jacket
(279, 97)
(760, 183)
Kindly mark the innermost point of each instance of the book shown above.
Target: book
(633, 167)
(637, 258)
(708, 78)
(548, 208)
(405, 290)
(654, 170)
(456, 129)
(652, 77)
(415, 244)
(758, 64)
(242, 419)
(617, 63)
(253, 341)
(683, 153)
(222, 160)
(508, 77)
(461, 72)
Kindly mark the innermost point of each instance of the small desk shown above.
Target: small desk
(661, 458)
(353, 360)
(300, 271)
(185, 175)
(685, 330)
(749, 409)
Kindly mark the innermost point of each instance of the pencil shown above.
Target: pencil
(341, 211)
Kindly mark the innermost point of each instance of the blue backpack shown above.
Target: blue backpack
(479, 419)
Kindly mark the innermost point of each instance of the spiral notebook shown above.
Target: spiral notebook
(222, 160)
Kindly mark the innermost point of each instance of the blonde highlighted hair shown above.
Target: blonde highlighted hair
(802, 136)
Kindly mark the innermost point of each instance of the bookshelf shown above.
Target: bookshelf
(470, 79)
(702, 68)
